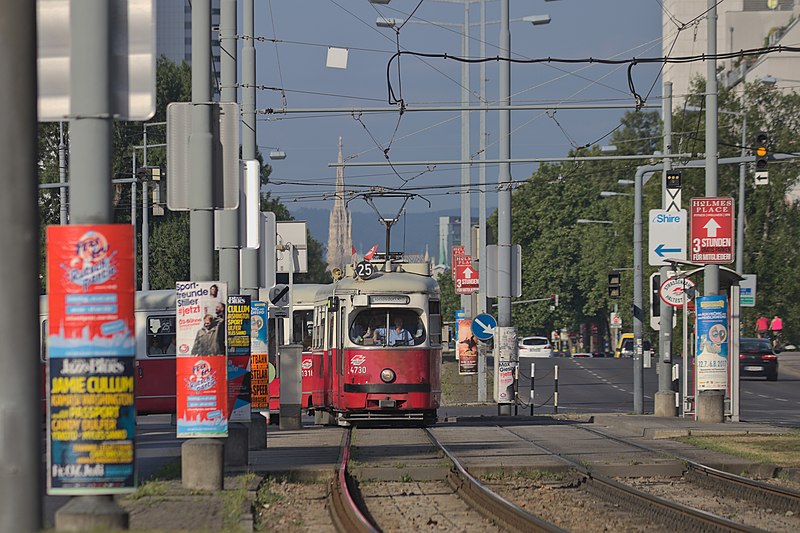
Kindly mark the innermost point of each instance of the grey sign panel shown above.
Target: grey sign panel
(133, 63)
(225, 126)
(491, 271)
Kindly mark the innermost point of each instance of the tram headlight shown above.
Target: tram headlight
(388, 375)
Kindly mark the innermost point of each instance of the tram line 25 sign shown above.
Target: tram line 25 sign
(712, 231)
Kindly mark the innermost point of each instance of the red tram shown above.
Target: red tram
(377, 345)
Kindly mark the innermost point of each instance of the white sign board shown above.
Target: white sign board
(133, 61)
(673, 291)
(747, 291)
(667, 231)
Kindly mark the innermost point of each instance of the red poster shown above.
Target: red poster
(202, 396)
(90, 288)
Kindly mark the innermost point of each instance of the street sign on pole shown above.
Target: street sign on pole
(667, 236)
(466, 279)
(225, 132)
(747, 290)
(675, 290)
(712, 230)
(483, 326)
(133, 59)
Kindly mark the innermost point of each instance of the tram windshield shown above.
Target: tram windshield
(387, 327)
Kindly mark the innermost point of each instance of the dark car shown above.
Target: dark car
(757, 358)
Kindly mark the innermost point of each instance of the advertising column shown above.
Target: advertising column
(90, 358)
(259, 361)
(200, 366)
(238, 358)
(712, 343)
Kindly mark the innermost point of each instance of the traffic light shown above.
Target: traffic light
(762, 151)
(614, 279)
(552, 300)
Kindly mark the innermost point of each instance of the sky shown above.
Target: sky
(295, 76)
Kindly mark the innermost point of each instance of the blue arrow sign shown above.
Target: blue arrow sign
(660, 250)
(483, 326)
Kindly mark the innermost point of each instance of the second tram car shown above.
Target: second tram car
(377, 345)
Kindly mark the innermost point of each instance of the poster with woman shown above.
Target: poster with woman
(467, 349)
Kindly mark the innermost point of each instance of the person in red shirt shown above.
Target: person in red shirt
(762, 325)
(776, 328)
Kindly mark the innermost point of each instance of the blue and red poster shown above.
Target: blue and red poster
(201, 363)
(90, 359)
(712, 342)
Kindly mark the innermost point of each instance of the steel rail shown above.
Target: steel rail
(676, 515)
(345, 512)
(489, 504)
(778, 498)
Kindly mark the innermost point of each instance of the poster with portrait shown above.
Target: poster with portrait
(238, 343)
(259, 361)
(201, 362)
(712, 342)
(90, 359)
(467, 348)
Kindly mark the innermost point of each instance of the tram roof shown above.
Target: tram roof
(404, 282)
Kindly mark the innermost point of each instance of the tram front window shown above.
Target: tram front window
(387, 327)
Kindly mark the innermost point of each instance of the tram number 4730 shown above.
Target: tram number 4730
(358, 370)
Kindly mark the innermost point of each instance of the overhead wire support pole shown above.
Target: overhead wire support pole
(228, 219)
(21, 473)
(249, 256)
(504, 203)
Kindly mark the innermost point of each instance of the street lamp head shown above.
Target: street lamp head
(626, 182)
(277, 155)
(388, 22)
(609, 194)
(768, 80)
(384, 2)
(608, 149)
(537, 20)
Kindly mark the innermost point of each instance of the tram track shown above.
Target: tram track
(667, 510)
(351, 501)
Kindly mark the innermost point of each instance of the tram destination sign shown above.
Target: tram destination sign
(712, 230)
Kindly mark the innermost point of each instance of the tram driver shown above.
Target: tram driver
(398, 335)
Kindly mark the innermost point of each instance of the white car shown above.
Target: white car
(535, 347)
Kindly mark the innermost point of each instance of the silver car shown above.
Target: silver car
(535, 347)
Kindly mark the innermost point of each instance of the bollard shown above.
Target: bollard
(533, 371)
(291, 387)
(257, 436)
(555, 393)
(710, 406)
(236, 445)
(201, 464)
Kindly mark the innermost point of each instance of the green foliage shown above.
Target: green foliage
(450, 300)
(573, 260)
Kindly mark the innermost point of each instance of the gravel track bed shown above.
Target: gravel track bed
(420, 506)
(571, 508)
(736, 509)
(291, 507)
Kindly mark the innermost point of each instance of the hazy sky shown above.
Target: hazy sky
(579, 29)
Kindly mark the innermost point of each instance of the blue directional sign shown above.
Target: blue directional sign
(483, 326)
(667, 236)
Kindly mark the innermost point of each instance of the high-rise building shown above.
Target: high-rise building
(741, 24)
(449, 236)
(174, 32)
